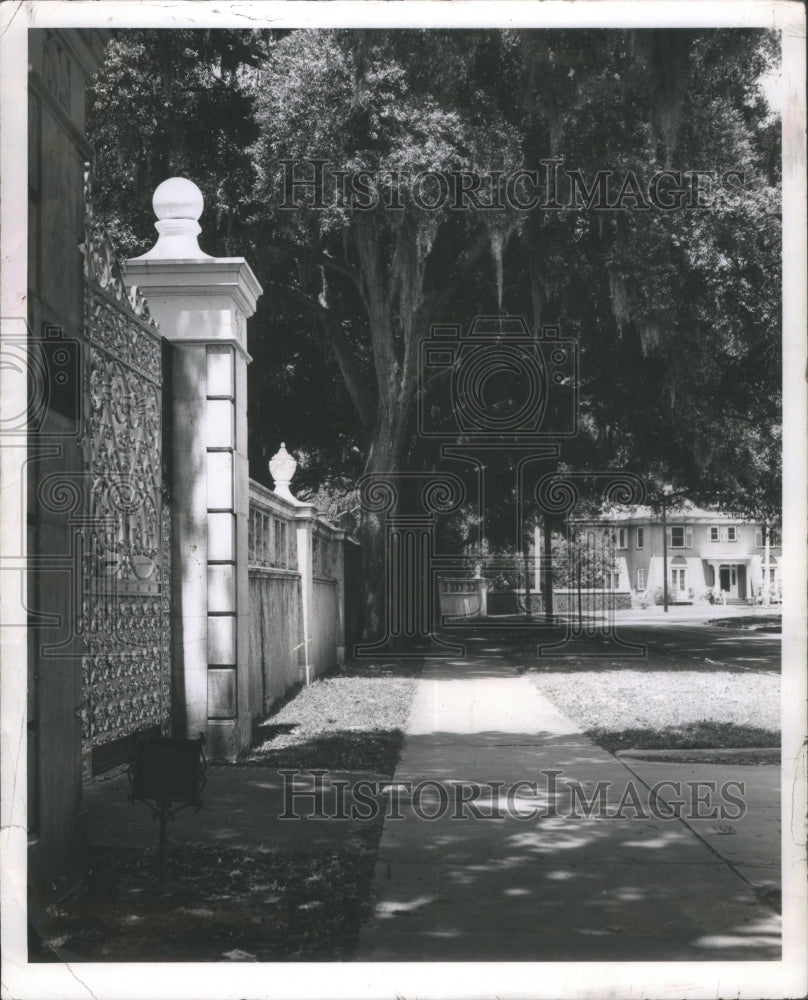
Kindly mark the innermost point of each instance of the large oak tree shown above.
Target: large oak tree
(677, 312)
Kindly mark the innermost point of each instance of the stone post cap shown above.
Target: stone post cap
(178, 204)
(282, 467)
(177, 198)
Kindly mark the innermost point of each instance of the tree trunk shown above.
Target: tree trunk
(393, 319)
(384, 457)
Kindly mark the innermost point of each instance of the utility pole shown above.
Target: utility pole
(767, 590)
(664, 553)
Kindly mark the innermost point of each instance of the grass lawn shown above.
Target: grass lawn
(351, 722)
(223, 903)
(623, 708)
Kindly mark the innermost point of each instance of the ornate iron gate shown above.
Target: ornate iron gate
(587, 579)
(124, 617)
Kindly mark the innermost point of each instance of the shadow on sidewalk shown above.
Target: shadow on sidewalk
(541, 847)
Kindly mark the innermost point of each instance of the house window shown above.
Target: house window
(612, 579)
(732, 533)
(714, 533)
(640, 578)
(679, 537)
(620, 537)
(640, 538)
(760, 541)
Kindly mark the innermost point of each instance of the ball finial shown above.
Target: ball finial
(177, 203)
(177, 198)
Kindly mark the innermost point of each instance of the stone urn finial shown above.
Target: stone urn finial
(282, 467)
(178, 204)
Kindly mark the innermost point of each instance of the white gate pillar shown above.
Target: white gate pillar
(202, 304)
(282, 468)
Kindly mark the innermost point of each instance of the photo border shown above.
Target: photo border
(304, 980)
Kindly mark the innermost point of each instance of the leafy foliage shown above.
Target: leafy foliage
(677, 313)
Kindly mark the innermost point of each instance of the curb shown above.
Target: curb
(770, 755)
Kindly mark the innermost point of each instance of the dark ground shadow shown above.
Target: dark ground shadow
(667, 647)
(241, 882)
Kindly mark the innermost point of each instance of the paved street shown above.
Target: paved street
(727, 645)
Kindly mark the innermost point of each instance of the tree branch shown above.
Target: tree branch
(344, 353)
(318, 259)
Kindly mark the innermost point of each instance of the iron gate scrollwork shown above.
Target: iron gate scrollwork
(125, 601)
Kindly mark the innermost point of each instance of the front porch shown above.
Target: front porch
(730, 576)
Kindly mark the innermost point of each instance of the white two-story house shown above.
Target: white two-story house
(708, 550)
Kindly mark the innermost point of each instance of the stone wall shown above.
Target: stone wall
(276, 621)
(60, 62)
(297, 594)
(564, 601)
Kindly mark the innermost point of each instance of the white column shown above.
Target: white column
(305, 518)
(202, 304)
(282, 468)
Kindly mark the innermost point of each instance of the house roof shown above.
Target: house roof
(686, 512)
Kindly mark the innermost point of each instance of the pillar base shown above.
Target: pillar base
(223, 739)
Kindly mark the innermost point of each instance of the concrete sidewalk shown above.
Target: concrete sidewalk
(561, 885)
(749, 843)
(698, 612)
